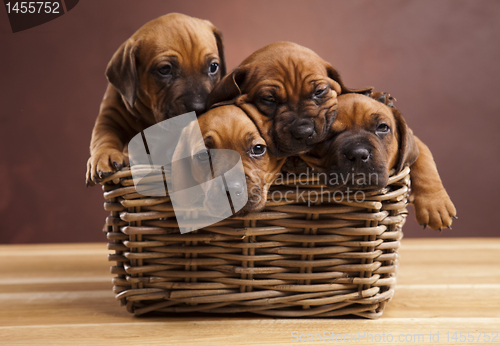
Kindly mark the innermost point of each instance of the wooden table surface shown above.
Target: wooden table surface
(61, 295)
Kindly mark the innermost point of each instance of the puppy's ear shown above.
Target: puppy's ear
(220, 48)
(408, 149)
(333, 74)
(263, 123)
(182, 173)
(122, 71)
(228, 88)
(383, 97)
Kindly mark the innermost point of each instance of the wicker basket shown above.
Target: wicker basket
(291, 260)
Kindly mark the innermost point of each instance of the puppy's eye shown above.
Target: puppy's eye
(165, 70)
(258, 150)
(321, 91)
(202, 156)
(214, 67)
(383, 128)
(268, 99)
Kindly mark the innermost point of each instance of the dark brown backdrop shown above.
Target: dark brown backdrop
(439, 58)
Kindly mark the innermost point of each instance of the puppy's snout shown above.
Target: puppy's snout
(194, 106)
(357, 155)
(235, 188)
(302, 131)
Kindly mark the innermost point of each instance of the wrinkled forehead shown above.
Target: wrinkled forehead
(356, 109)
(228, 127)
(289, 75)
(187, 40)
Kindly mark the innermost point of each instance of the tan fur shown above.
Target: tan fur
(230, 127)
(290, 75)
(397, 149)
(138, 96)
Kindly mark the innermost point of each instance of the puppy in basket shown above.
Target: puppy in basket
(199, 161)
(370, 138)
(296, 92)
(153, 76)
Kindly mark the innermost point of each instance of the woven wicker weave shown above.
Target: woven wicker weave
(291, 260)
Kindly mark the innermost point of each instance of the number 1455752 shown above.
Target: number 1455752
(32, 7)
(472, 336)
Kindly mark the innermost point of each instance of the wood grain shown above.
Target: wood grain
(61, 295)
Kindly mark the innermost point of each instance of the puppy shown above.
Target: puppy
(295, 91)
(428, 195)
(167, 68)
(367, 140)
(225, 127)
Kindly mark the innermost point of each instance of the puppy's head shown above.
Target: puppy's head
(230, 127)
(169, 66)
(367, 140)
(291, 86)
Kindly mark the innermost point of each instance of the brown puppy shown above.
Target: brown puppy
(226, 127)
(428, 193)
(167, 68)
(367, 140)
(293, 88)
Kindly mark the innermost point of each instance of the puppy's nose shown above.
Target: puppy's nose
(302, 131)
(357, 155)
(198, 107)
(235, 188)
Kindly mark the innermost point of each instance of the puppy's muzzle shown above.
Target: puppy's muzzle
(302, 130)
(194, 106)
(194, 101)
(357, 155)
(235, 188)
(228, 187)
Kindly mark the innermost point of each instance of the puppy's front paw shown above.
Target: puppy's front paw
(103, 163)
(435, 210)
